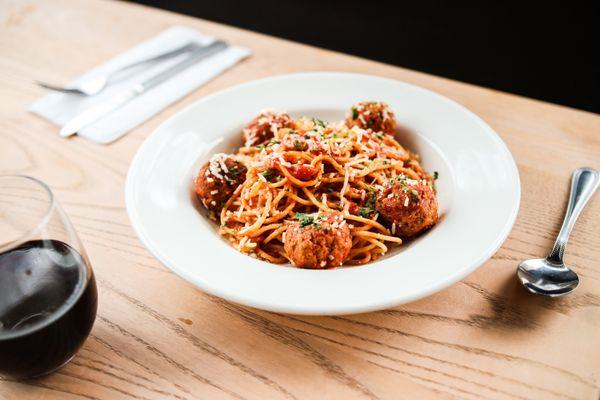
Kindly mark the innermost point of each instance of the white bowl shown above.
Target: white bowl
(478, 191)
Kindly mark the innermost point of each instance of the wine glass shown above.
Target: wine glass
(48, 295)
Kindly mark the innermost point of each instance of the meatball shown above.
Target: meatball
(408, 207)
(317, 241)
(217, 180)
(375, 115)
(264, 126)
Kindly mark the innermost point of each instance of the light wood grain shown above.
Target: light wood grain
(158, 337)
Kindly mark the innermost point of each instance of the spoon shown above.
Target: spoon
(550, 276)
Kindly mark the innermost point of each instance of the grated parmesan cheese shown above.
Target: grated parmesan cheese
(217, 164)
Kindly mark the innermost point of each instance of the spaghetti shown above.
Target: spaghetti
(307, 175)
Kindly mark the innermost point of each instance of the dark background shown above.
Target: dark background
(538, 49)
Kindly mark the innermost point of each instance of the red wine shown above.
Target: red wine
(48, 302)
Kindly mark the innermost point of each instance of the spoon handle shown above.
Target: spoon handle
(584, 183)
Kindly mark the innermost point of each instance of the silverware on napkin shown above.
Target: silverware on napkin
(107, 106)
(93, 86)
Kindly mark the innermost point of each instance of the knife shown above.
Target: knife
(109, 105)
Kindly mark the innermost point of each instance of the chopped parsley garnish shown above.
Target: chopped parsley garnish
(229, 180)
(319, 122)
(379, 135)
(272, 142)
(305, 219)
(261, 148)
(371, 201)
(400, 179)
(414, 195)
(436, 174)
(354, 113)
(268, 174)
(365, 212)
(293, 132)
(298, 145)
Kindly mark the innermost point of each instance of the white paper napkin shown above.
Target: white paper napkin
(61, 108)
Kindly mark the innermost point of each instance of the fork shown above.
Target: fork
(95, 85)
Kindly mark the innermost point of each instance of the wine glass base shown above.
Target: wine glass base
(43, 374)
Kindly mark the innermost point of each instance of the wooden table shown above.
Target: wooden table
(158, 337)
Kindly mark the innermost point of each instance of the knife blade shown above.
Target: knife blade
(111, 104)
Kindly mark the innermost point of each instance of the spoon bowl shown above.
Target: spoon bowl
(541, 276)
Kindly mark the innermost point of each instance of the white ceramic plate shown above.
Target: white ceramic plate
(478, 191)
